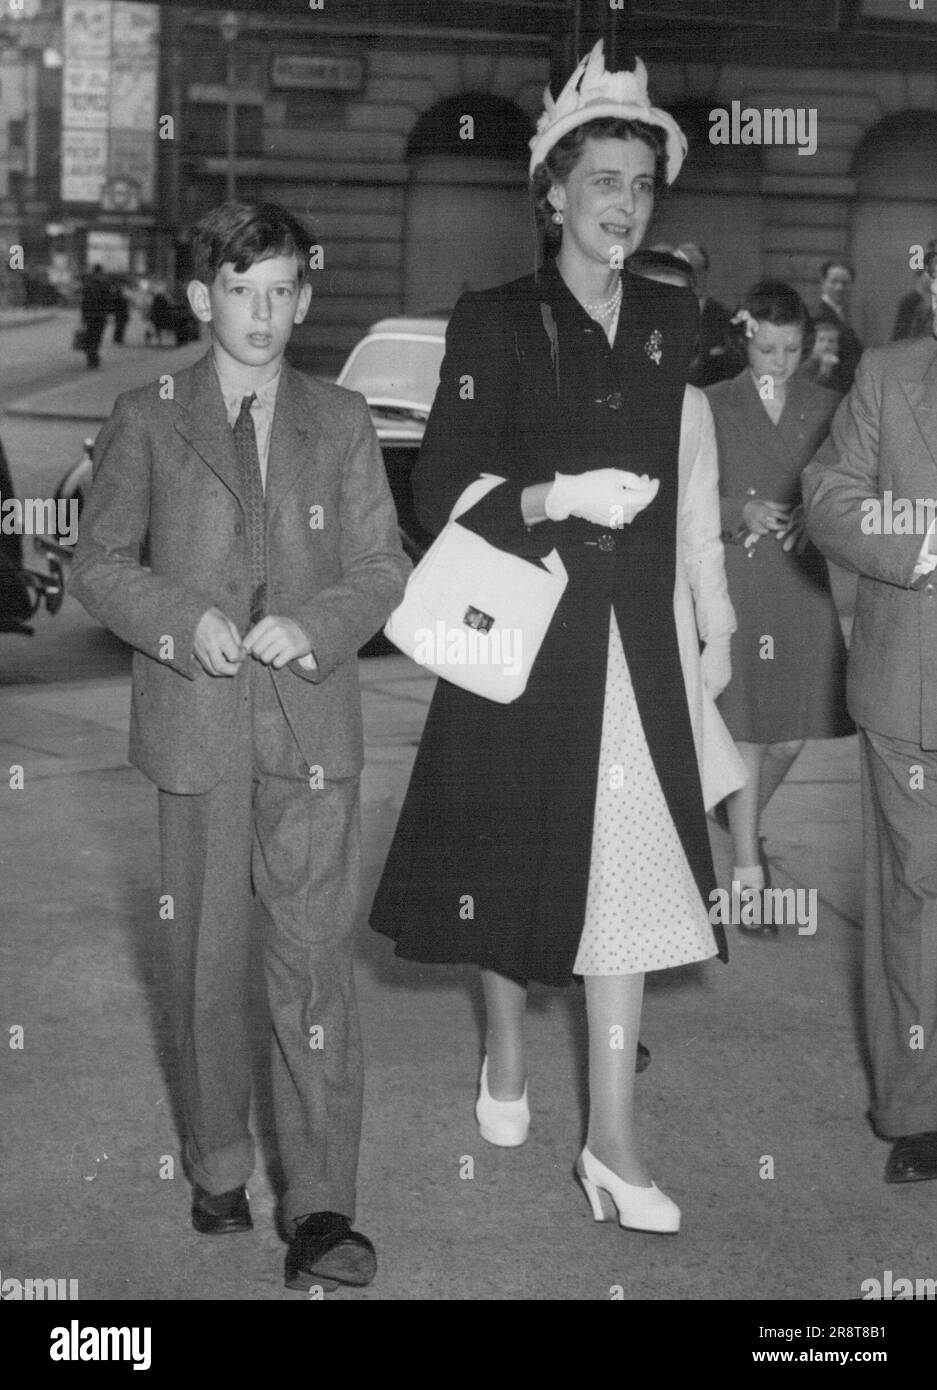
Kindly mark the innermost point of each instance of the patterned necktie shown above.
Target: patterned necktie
(245, 444)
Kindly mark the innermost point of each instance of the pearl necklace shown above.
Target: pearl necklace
(607, 308)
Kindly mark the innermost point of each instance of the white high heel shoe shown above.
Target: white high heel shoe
(640, 1208)
(502, 1122)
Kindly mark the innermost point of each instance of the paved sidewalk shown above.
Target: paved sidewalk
(24, 318)
(91, 394)
(755, 1065)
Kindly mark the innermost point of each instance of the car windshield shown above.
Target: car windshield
(396, 371)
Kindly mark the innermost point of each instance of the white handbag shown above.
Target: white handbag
(474, 614)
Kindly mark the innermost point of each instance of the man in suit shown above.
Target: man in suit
(713, 361)
(836, 278)
(914, 318)
(95, 307)
(272, 556)
(861, 489)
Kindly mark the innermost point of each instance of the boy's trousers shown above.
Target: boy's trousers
(300, 844)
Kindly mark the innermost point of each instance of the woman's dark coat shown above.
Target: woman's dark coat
(490, 861)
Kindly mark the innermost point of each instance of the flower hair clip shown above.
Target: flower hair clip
(749, 320)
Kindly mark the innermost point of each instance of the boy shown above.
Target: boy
(272, 555)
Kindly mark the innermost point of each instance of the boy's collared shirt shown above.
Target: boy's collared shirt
(265, 400)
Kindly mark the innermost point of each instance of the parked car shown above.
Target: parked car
(396, 369)
(22, 589)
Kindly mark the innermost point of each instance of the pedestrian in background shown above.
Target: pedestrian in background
(836, 280)
(822, 364)
(713, 361)
(120, 308)
(573, 819)
(96, 301)
(788, 655)
(914, 316)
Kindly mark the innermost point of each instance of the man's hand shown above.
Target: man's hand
(217, 644)
(275, 641)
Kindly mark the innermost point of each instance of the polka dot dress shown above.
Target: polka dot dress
(643, 910)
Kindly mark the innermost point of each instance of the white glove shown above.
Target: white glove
(605, 496)
(716, 666)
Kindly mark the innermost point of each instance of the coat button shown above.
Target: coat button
(238, 528)
(606, 541)
(928, 588)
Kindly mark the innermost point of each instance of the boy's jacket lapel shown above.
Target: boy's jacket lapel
(294, 434)
(203, 422)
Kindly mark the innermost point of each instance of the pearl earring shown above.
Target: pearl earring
(557, 217)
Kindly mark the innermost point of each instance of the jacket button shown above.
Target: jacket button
(238, 528)
(928, 588)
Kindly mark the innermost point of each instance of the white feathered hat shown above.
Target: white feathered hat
(592, 94)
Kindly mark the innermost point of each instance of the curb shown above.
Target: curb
(17, 320)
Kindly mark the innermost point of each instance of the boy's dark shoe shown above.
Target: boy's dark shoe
(913, 1158)
(221, 1213)
(325, 1250)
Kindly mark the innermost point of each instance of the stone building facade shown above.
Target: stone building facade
(353, 113)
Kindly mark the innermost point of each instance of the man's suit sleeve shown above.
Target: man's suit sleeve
(107, 577)
(842, 492)
(343, 616)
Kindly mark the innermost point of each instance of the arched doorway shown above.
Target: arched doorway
(716, 202)
(468, 223)
(895, 208)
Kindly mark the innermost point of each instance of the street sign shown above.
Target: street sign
(317, 72)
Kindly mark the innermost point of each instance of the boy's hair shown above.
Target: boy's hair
(244, 233)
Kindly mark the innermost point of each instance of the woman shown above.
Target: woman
(789, 658)
(565, 833)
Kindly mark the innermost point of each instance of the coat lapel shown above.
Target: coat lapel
(291, 441)
(203, 422)
(795, 424)
(921, 392)
(773, 441)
